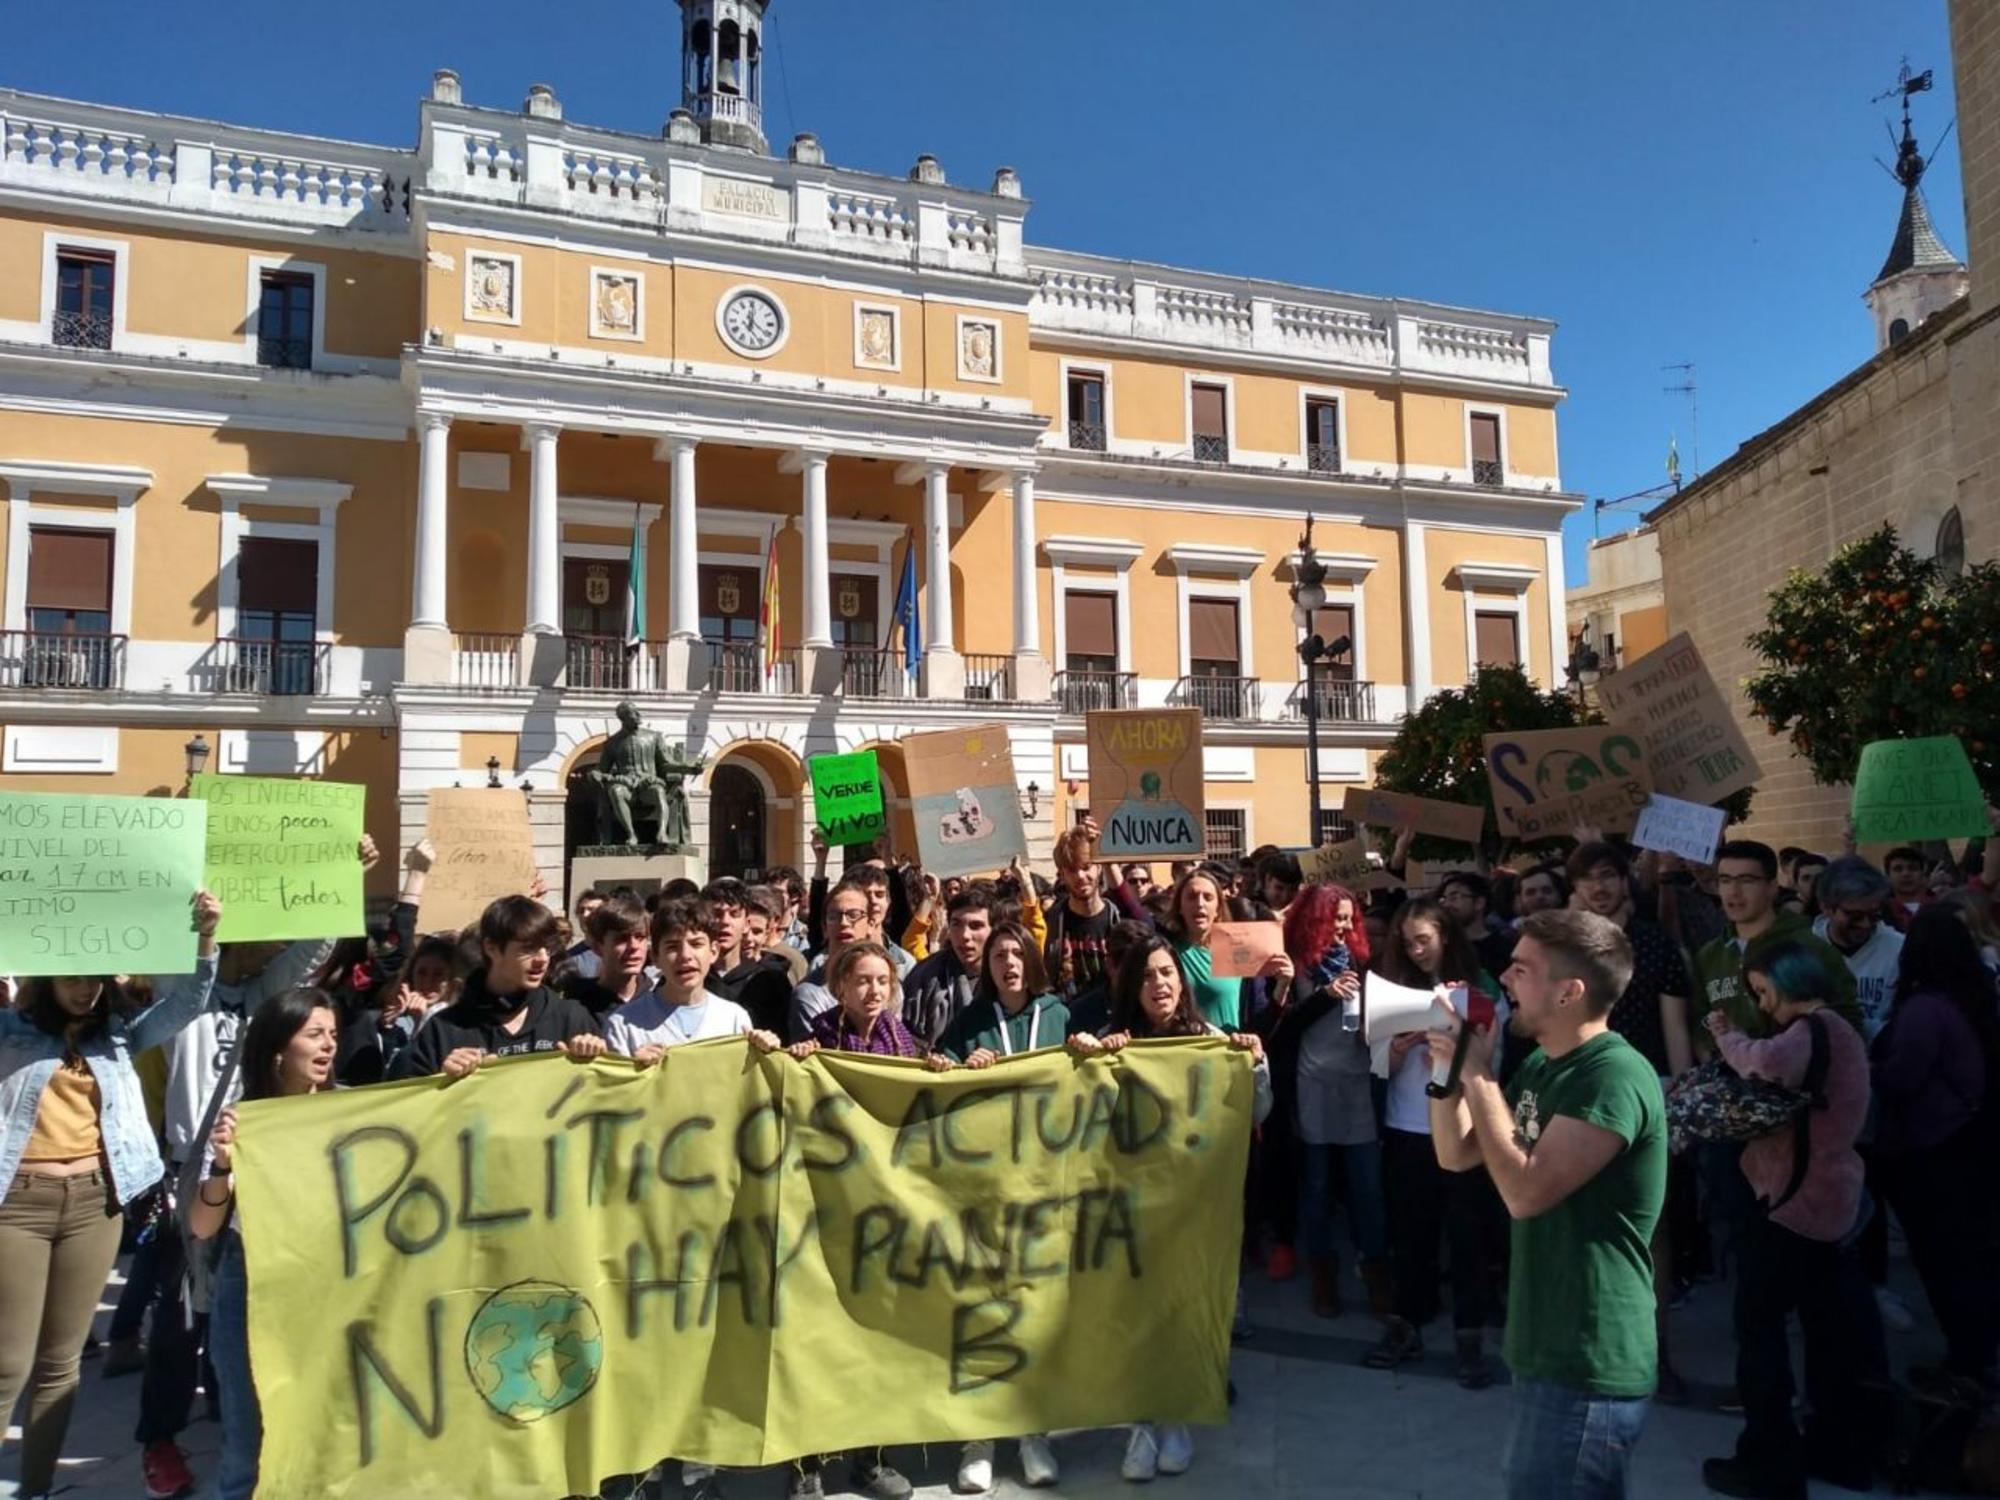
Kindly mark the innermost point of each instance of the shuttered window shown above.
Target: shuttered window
(1486, 465)
(1211, 408)
(1330, 623)
(69, 571)
(1090, 631)
(1498, 638)
(1212, 642)
(279, 577)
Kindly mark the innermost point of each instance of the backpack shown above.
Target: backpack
(1713, 1102)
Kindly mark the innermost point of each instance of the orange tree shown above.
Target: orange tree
(1879, 646)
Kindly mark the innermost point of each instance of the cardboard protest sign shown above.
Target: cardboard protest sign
(1548, 781)
(847, 797)
(1907, 790)
(1668, 700)
(1237, 950)
(98, 885)
(1344, 863)
(1440, 819)
(546, 1272)
(1146, 782)
(1675, 827)
(1390, 1009)
(1429, 874)
(967, 808)
(283, 856)
(485, 850)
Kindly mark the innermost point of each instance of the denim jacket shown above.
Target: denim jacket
(30, 1055)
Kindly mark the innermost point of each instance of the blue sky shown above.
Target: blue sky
(1685, 181)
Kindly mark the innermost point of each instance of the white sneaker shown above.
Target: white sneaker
(1142, 1454)
(975, 1468)
(1038, 1461)
(1896, 1314)
(1176, 1448)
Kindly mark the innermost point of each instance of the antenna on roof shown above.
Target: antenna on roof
(1692, 391)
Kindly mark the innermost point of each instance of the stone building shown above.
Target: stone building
(1911, 438)
(340, 457)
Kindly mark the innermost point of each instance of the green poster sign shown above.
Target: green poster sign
(847, 796)
(98, 885)
(1907, 790)
(282, 856)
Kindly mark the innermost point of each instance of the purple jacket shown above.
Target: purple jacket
(1930, 1076)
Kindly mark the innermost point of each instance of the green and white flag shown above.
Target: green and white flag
(635, 590)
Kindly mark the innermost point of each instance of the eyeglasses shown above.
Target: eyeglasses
(844, 915)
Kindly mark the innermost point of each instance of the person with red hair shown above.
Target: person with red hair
(1325, 1101)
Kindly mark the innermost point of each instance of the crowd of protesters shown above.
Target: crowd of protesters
(1531, 1189)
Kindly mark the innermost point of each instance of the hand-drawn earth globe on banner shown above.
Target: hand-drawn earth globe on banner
(533, 1348)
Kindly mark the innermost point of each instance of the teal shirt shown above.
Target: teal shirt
(1042, 1022)
(1220, 1001)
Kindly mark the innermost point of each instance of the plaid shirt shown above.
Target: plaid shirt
(891, 1038)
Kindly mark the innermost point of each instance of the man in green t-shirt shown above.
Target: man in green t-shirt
(1577, 1146)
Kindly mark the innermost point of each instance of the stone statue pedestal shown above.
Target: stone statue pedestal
(644, 868)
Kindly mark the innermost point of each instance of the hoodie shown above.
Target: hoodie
(477, 1020)
(1042, 1022)
(1718, 975)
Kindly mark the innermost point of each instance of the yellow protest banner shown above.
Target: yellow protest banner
(551, 1273)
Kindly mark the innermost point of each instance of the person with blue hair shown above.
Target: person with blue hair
(1797, 1251)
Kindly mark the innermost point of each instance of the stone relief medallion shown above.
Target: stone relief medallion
(616, 303)
(979, 351)
(878, 338)
(492, 282)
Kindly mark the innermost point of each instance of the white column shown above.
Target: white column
(1027, 619)
(1553, 577)
(937, 557)
(427, 604)
(683, 604)
(818, 580)
(1417, 612)
(544, 532)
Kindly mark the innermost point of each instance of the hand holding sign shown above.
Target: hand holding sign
(847, 797)
(1547, 782)
(1242, 950)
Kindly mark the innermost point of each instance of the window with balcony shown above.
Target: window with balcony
(285, 320)
(593, 621)
(68, 642)
(1339, 695)
(731, 595)
(276, 646)
(1225, 828)
(1209, 421)
(867, 670)
(1215, 682)
(86, 293)
(1485, 436)
(1090, 675)
(1323, 436)
(1497, 636)
(1087, 428)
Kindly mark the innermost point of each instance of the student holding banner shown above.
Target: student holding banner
(288, 1050)
(617, 937)
(76, 1149)
(1012, 1010)
(683, 1008)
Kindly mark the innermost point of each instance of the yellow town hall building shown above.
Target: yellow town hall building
(333, 455)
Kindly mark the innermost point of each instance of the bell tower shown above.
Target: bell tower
(722, 70)
(1921, 277)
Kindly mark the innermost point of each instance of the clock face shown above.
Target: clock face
(752, 322)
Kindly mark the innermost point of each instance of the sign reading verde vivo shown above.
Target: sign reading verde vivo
(1906, 790)
(1146, 782)
(547, 1273)
(962, 792)
(283, 856)
(1548, 781)
(98, 885)
(847, 796)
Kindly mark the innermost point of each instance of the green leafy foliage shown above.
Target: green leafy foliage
(1879, 646)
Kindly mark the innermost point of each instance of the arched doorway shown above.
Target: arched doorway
(736, 817)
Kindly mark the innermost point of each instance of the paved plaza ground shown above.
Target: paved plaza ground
(1308, 1421)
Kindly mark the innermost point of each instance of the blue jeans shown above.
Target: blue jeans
(1568, 1444)
(1358, 1172)
(229, 1348)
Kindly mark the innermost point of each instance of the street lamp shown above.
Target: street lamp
(196, 751)
(1308, 597)
(1583, 665)
(493, 772)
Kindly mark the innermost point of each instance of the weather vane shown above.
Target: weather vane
(1910, 163)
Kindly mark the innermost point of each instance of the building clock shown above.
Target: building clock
(752, 322)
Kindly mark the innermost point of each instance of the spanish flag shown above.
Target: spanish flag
(767, 618)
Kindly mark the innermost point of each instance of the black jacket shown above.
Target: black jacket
(475, 1021)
